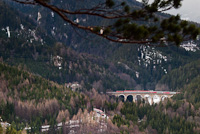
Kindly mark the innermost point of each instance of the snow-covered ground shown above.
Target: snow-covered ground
(149, 55)
(190, 46)
(29, 34)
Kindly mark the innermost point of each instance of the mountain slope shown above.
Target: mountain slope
(104, 66)
(33, 100)
(182, 76)
(42, 56)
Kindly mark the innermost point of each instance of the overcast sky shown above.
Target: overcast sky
(189, 10)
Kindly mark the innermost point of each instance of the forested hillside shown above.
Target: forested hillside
(192, 92)
(41, 56)
(26, 98)
(182, 76)
(27, 48)
(31, 100)
(33, 43)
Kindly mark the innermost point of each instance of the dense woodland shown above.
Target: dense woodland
(34, 91)
(29, 99)
(32, 99)
(184, 74)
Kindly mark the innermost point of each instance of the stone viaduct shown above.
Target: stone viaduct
(149, 96)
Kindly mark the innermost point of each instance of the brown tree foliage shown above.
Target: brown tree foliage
(63, 116)
(29, 109)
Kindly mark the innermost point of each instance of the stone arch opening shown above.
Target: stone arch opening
(129, 98)
(138, 98)
(148, 99)
(163, 98)
(121, 98)
(156, 99)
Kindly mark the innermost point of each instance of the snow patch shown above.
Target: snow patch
(126, 66)
(57, 61)
(190, 46)
(52, 14)
(33, 34)
(8, 31)
(137, 74)
(150, 55)
(65, 35)
(22, 27)
(165, 70)
(76, 20)
(53, 33)
(101, 31)
(39, 16)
